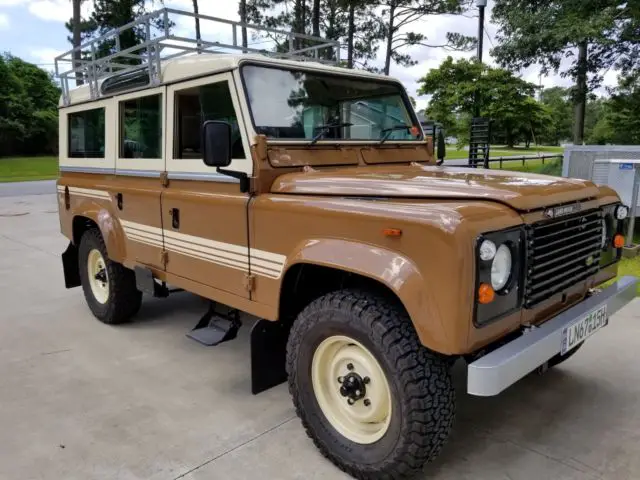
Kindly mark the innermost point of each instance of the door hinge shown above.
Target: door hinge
(164, 258)
(164, 179)
(249, 282)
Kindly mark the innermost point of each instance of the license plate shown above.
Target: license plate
(579, 331)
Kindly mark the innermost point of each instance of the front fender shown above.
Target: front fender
(395, 271)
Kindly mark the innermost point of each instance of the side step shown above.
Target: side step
(214, 328)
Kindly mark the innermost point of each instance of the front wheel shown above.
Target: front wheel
(372, 398)
(109, 288)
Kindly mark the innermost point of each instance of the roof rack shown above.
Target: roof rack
(159, 44)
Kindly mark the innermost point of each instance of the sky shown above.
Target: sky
(35, 31)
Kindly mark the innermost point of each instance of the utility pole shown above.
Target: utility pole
(480, 132)
(481, 4)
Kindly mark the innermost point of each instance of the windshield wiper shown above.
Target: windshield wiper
(328, 126)
(387, 131)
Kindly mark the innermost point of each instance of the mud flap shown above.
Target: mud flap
(70, 266)
(268, 354)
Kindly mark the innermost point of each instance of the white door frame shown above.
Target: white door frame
(195, 169)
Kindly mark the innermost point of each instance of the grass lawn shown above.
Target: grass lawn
(22, 169)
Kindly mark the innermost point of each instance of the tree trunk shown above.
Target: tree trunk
(77, 40)
(387, 59)
(298, 21)
(350, 33)
(198, 37)
(243, 19)
(581, 94)
(315, 18)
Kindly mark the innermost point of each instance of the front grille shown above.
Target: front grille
(561, 253)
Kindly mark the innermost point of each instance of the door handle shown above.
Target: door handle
(175, 217)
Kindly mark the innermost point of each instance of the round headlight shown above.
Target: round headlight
(603, 242)
(501, 268)
(621, 212)
(487, 250)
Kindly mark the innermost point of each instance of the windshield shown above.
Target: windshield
(300, 105)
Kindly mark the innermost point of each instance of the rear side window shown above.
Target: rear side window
(141, 127)
(86, 134)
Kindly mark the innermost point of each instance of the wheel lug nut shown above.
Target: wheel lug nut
(349, 366)
(367, 402)
(351, 401)
(357, 392)
(366, 380)
(340, 379)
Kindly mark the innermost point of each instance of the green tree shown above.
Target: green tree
(28, 108)
(352, 22)
(398, 15)
(503, 97)
(558, 102)
(619, 122)
(579, 38)
(110, 14)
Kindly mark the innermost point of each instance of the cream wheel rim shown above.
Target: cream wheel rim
(351, 389)
(98, 277)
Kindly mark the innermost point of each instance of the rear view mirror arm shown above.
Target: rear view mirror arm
(242, 176)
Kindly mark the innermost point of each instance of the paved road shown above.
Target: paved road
(14, 189)
(84, 401)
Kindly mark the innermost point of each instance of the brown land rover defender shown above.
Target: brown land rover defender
(309, 196)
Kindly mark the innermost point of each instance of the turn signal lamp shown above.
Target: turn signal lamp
(486, 294)
(618, 241)
(392, 232)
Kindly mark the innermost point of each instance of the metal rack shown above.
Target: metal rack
(159, 44)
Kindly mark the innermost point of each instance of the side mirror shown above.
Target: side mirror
(441, 151)
(216, 143)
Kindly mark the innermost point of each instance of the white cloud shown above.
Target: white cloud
(44, 56)
(11, 3)
(4, 21)
(54, 10)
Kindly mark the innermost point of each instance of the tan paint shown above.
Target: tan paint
(101, 212)
(522, 191)
(208, 210)
(327, 205)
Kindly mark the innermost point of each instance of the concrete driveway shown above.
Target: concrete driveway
(80, 400)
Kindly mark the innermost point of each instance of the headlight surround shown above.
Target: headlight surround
(621, 212)
(501, 267)
(502, 271)
(613, 226)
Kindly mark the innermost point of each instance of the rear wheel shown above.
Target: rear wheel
(109, 288)
(372, 398)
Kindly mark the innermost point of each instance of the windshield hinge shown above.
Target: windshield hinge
(164, 179)
(249, 282)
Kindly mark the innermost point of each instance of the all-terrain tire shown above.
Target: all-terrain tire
(422, 395)
(123, 299)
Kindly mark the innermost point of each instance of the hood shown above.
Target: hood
(522, 191)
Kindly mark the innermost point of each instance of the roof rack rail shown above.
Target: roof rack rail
(159, 44)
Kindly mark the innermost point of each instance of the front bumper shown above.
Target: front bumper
(492, 373)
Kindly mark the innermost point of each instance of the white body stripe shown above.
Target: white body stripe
(229, 255)
(86, 192)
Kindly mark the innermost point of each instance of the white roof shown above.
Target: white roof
(189, 66)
